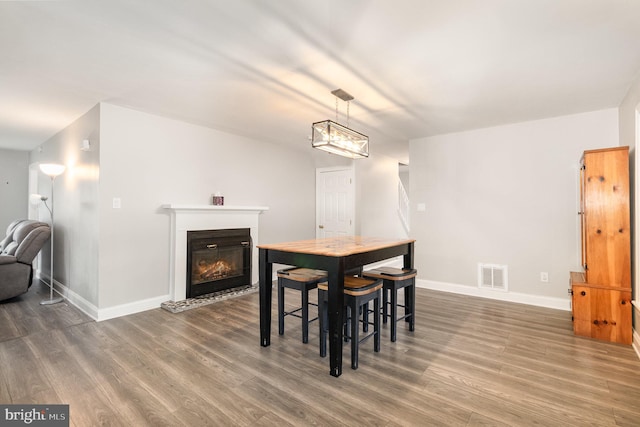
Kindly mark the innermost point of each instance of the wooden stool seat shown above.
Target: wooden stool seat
(356, 286)
(394, 279)
(358, 292)
(302, 274)
(303, 280)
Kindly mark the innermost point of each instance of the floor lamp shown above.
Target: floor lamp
(53, 170)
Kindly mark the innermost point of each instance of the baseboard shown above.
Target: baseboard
(100, 314)
(536, 300)
(70, 296)
(131, 308)
(77, 301)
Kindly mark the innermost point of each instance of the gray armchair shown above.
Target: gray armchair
(22, 243)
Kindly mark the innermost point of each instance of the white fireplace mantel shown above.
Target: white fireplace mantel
(205, 217)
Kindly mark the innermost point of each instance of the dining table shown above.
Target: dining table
(335, 255)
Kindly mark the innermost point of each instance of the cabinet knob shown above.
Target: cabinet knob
(623, 302)
(583, 293)
(595, 322)
(605, 322)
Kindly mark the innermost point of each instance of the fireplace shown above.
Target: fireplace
(185, 218)
(218, 260)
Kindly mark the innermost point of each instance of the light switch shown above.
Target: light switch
(117, 203)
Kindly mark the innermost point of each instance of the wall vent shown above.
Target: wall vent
(493, 276)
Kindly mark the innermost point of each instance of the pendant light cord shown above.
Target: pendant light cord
(348, 103)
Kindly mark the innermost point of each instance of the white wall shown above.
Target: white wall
(14, 179)
(148, 160)
(504, 195)
(76, 207)
(377, 197)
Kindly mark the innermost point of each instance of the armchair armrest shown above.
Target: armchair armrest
(8, 259)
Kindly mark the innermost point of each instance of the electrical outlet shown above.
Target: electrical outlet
(117, 203)
(544, 276)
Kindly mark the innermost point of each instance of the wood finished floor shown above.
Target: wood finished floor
(470, 362)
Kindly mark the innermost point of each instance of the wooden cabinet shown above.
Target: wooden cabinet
(601, 312)
(601, 295)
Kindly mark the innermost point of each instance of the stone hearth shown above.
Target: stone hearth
(201, 301)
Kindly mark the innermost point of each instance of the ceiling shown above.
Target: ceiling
(266, 69)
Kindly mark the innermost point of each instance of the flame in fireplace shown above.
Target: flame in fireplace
(212, 271)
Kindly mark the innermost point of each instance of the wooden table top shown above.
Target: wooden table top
(336, 246)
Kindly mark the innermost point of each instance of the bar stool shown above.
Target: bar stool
(358, 292)
(394, 279)
(303, 280)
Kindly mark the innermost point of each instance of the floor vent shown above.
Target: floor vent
(492, 276)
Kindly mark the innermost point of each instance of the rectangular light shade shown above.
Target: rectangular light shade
(337, 139)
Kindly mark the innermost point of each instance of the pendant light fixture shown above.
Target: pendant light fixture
(338, 139)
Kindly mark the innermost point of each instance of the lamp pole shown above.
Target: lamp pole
(52, 170)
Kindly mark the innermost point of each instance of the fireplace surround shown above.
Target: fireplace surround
(186, 218)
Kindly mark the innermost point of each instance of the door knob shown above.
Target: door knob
(321, 226)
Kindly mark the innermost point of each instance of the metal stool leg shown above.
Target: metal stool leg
(280, 308)
(365, 317)
(385, 304)
(411, 304)
(394, 313)
(376, 323)
(305, 316)
(355, 338)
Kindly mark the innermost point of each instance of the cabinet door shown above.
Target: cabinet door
(602, 313)
(611, 312)
(581, 307)
(606, 218)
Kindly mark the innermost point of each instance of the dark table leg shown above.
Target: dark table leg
(336, 311)
(265, 285)
(408, 257)
(409, 297)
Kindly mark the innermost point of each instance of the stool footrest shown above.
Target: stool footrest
(298, 316)
(294, 313)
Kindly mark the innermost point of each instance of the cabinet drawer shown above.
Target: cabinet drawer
(602, 313)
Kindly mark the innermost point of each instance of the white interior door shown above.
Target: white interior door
(335, 202)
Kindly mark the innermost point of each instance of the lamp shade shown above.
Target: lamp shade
(52, 169)
(337, 139)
